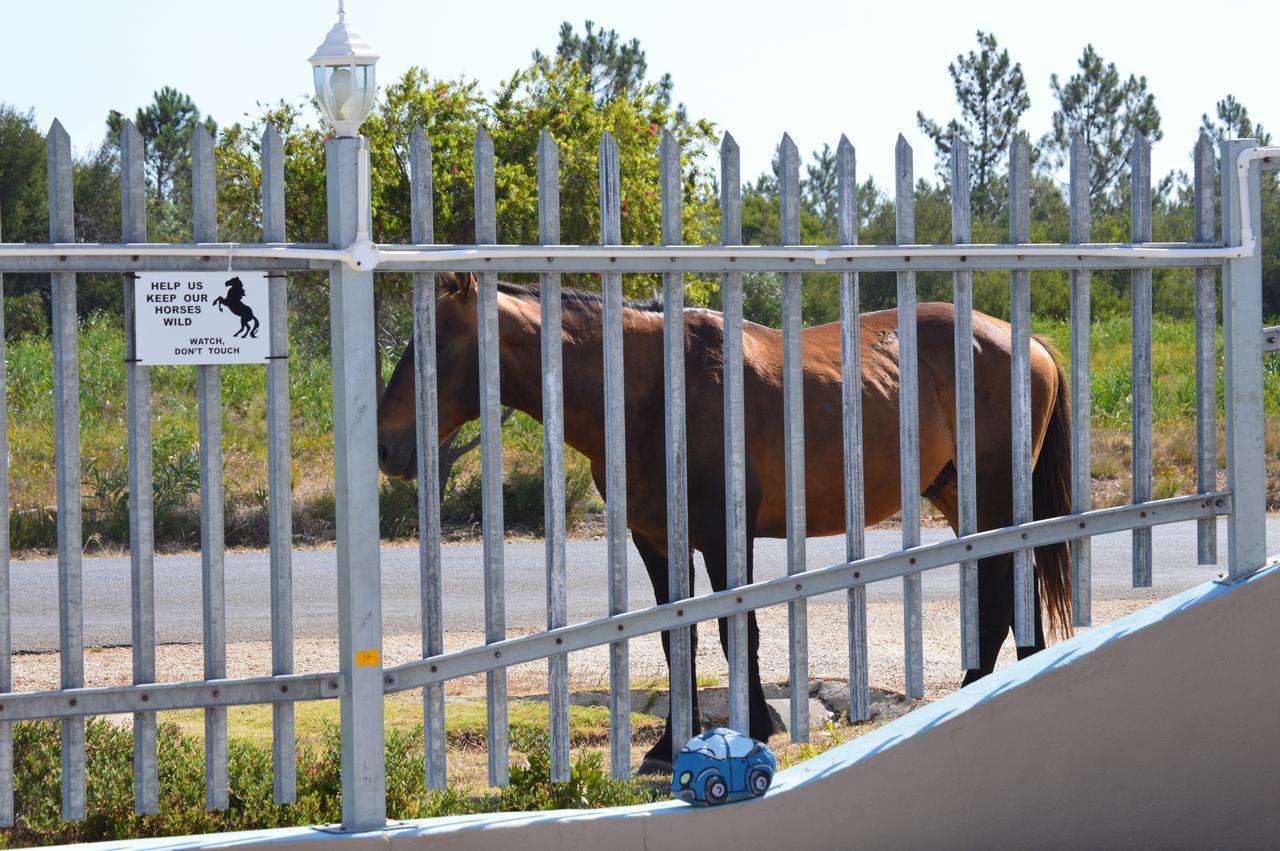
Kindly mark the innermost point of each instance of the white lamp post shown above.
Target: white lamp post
(344, 77)
(343, 67)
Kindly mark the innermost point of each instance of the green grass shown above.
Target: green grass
(466, 724)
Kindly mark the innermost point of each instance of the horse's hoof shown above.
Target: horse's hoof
(654, 765)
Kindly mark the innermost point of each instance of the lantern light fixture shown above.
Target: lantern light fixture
(343, 66)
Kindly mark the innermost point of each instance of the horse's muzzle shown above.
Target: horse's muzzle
(397, 460)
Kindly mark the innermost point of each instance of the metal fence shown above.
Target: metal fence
(362, 681)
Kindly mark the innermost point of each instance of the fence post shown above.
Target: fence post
(1242, 345)
(355, 463)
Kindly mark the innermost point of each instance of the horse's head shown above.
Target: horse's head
(457, 368)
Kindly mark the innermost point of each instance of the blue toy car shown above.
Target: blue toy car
(722, 765)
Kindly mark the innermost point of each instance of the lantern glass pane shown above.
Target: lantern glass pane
(346, 95)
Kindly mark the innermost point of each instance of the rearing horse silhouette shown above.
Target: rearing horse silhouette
(234, 301)
(519, 331)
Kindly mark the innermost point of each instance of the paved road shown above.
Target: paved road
(106, 586)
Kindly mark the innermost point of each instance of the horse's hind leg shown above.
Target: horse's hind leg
(995, 582)
(658, 759)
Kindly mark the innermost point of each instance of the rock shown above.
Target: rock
(834, 695)
(773, 691)
(818, 714)
(713, 703)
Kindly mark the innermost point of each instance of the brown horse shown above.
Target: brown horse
(520, 326)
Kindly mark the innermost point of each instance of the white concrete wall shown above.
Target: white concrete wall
(1162, 729)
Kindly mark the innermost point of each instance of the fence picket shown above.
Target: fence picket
(851, 404)
(279, 474)
(735, 465)
(1024, 580)
(141, 521)
(909, 422)
(793, 429)
(966, 429)
(1141, 394)
(204, 208)
(678, 554)
(615, 461)
(6, 645)
(495, 618)
(1081, 390)
(553, 454)
(422, 223)
(1206, 350)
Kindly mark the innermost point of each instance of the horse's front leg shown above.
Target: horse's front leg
(658, 759)
(714, 552)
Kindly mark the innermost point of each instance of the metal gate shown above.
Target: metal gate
(352, 260)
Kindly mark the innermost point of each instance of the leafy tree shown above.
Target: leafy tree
(992, 95)
(23, 199)
(1108, 111)
(1236, 123)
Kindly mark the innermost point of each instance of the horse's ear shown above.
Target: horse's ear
(460, 283)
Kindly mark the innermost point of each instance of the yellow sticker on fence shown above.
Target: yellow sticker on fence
(368, 658)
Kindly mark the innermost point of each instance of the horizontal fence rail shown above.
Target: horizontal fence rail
(156, 697)
(786, 589)
(129, 257)
(351, 259)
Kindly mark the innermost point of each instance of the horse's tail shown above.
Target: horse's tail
(1051, 497)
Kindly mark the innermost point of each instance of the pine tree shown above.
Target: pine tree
(992, 95)
(1236, 123)
(1108, 111)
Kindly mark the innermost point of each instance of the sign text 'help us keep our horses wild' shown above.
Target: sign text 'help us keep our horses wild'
(202, 317)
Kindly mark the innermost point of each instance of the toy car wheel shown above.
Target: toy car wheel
(758, 781)
(717, 791)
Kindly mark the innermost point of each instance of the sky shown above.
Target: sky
(815, 69)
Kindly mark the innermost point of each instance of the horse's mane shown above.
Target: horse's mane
(574, 297)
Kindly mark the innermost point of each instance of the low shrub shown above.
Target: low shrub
(109, 773)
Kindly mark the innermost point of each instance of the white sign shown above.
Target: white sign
(202, 317)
